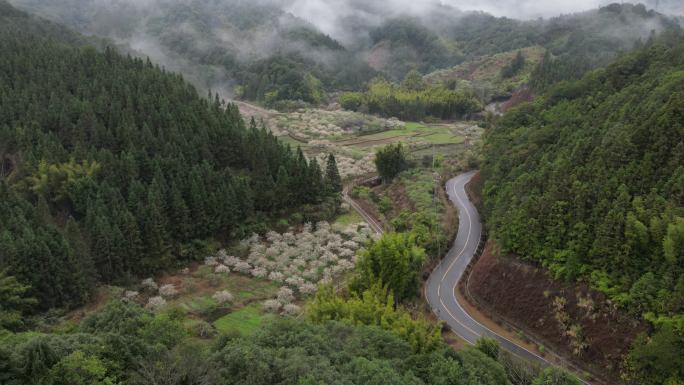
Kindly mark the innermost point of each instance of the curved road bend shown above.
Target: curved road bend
(440, 289)
(441, 285)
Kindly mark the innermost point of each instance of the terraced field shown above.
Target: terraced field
(353, 137)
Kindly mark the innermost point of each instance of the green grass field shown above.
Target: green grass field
(245, 321)
(412, 133)
(348, 219)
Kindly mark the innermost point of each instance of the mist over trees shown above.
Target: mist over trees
(113, 166)
(279, 52)
(128, 169)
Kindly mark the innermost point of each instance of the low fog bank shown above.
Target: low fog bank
(217, 43)
(333, 16)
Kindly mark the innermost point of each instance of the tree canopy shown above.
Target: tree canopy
(588, 181)
(113, 167)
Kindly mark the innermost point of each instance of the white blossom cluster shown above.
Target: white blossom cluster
(155, 303)
(299, 261)
(319, 123)
(347, 165)
(168, 290)
(223, 297)
(157, 294)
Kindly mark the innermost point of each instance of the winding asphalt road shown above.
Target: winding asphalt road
(440, 289)
(441, 285)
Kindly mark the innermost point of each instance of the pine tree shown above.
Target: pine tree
(179, 215)
(315, 178)
(13, 301)
(155, 236)
(85, 271)
(130, 231)
(282, 188)
(333, 180)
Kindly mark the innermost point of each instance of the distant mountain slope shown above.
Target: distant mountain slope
(574, 43)
(112, 167)
(220, 45)
(259, 51)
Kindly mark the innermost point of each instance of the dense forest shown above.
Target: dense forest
(412, 100)
(125, 344)
(588, 181)
(252, 50)
(112, 167)
(261, 52)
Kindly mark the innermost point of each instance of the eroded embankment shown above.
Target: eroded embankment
(567, 318)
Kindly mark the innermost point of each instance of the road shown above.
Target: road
(441, 285)
(440, 289)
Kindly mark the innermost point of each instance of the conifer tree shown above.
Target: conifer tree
(333, 180)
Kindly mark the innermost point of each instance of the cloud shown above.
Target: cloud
(526, 9)
(330, 15)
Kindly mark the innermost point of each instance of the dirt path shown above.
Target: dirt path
(251, 110)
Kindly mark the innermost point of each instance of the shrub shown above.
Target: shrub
(149, 284)
(203, 329)
(390, 161)
(385, 205)
(223, 297)
(285, 295)
(168, 290)
(488, 346)
(155, 303)
(272, 305)
(394, 261)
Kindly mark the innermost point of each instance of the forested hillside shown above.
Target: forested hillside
(112, 167)
(588, 181)
(251, 50)
(262, 52)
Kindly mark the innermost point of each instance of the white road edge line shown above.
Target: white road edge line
(379, 230)
(453, 290)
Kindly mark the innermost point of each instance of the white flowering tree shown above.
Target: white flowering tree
(168, 290)
(285, 295)
(272, 306)
(155, 303)
(149, 284)
(223, 297)
(301, 261)
(291, 309)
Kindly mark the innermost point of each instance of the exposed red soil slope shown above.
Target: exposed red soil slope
(519, 97)
(555, 312)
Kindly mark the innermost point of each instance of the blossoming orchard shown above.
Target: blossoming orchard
(299, 261)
